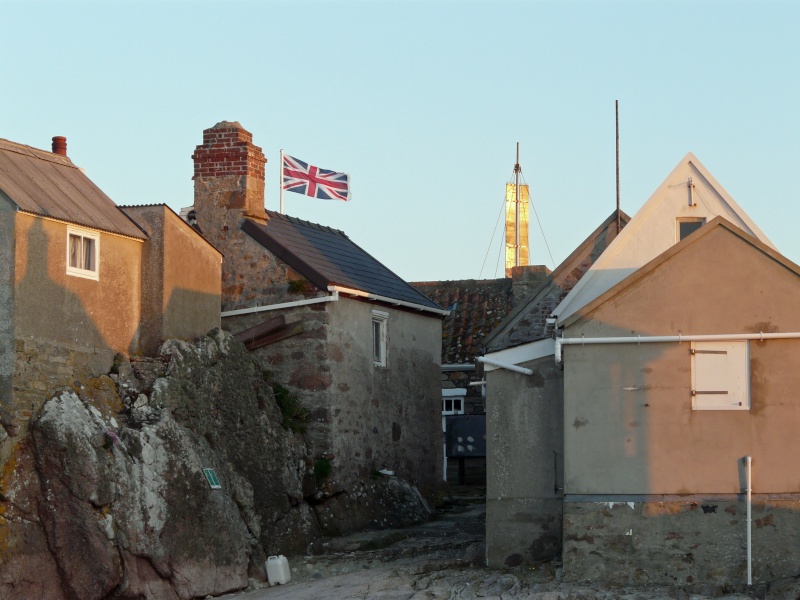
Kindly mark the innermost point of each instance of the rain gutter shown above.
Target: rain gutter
(334, 297)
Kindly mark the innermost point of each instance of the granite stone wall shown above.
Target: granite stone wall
(681, 541)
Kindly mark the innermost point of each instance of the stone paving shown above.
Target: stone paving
(444, 559)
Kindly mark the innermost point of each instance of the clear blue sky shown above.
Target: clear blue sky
(422, 103)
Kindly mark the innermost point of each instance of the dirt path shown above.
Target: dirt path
(444, 559)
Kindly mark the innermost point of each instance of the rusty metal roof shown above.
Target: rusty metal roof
(50, 185)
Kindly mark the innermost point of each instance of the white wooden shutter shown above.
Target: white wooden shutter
(720, 376)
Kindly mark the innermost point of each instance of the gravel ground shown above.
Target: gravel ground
(444, 559)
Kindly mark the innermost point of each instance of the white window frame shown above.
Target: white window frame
(701, 220)
(452, 395)
(380, 321)
(453, 410)
(79, 271)
(721, 375)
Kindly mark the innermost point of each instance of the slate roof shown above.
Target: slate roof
(476, 308)
(50, 185)
(327, 257)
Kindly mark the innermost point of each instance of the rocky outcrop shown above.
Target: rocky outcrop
(106, 495)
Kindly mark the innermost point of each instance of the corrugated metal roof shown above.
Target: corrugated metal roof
(327, 256)
(50, 185)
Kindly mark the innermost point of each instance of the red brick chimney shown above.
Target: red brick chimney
(228, 176)
(60, 145)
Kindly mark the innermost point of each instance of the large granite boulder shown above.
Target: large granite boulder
(105, 495)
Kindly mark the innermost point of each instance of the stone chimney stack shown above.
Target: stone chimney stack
(228, 178)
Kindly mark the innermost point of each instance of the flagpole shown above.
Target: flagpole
(280, 179)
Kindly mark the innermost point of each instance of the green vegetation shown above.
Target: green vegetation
(298, 286)
(295, 415)
(322, 469)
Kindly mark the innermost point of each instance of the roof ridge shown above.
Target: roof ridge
(38, 153)
(292, 219)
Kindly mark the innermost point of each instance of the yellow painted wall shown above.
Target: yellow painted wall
(71, 311)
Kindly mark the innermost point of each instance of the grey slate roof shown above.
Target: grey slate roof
(327, 256)
(50, 185)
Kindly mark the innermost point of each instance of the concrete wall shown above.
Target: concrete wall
(630, 431)
(524, 464)
(181, 279)
(7, 237)
(78, 323)
(626, 406)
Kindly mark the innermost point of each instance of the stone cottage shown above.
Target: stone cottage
(357, 345)
(81, 280)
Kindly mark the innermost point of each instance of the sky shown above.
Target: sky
(422, 103)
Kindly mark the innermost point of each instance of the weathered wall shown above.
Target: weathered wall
(631, 433)
(299, 362)
(361, 416)
(181, 279)
(524, 433)
(385, 417)
(680, 541)
(626, 405)
(7, 237)
(74, 321)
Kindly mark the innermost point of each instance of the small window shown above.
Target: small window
(379, 319)
(720, 376)
(452, 406)
(83, 251)
(688, 226)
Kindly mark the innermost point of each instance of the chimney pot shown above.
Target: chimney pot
(60, 145)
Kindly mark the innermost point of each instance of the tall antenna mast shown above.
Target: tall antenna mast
(616, 110)
(517, 170)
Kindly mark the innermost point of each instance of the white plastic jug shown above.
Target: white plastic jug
(278, 570)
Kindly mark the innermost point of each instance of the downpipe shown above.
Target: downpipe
(748, 462)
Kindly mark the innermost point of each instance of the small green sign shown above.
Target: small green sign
(211, 477)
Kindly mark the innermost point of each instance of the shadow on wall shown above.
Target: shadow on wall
(57, 337)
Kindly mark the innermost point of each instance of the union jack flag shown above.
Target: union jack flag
(302, 178)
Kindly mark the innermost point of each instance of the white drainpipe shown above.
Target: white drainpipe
(748, 461)
(254, 309)
(502, 365)
(650, 339)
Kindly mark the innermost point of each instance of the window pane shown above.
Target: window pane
(376, 341)
(74, 251)
(687, 227)
(88, 254)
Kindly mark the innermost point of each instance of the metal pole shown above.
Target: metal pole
(516, 221)
(749, 462)
(280, 179)
(616, 109)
